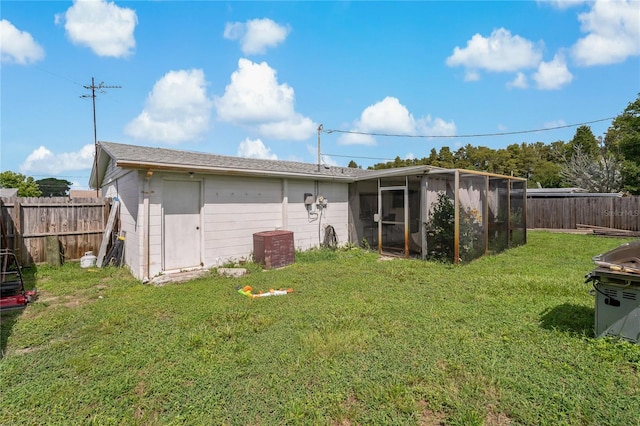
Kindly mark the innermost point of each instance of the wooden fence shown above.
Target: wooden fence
(566, 213)
(78, 224)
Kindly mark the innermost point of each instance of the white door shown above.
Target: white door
(181, 219)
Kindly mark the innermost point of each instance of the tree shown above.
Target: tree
(599, 174)
(433, 157)
(587, 142)
(445, 158)
(52, 187)
(27, 186)
(623, 138)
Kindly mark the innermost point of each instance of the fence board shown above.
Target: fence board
(78, 224)
(564, 213)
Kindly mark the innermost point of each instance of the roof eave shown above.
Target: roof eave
(127, 164)
(394, 172)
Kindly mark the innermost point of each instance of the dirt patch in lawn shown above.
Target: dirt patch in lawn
(430, 417)
(495, 418)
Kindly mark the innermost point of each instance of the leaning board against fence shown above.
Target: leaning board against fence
(77, 224)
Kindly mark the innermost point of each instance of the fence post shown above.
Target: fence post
(52, 247)
(17, 231)
(611, 223)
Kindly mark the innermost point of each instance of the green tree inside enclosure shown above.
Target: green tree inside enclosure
(611, 163)
(52, 187)
(27, 186)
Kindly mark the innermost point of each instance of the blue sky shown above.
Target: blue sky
(256, 79)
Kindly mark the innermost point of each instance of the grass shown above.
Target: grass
(506, 339)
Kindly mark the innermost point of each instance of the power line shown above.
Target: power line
(100, 88)
(57, 75)
(364, 158)
(478, 135)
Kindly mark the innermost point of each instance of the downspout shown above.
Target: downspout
(456, 215)
(405, 196)
(379, 218)
(424, 216)
(509, 214)
(485, 216)
(285, 203)
(145, 234)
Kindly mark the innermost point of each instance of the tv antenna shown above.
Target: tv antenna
(100, 88)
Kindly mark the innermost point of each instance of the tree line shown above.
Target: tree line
(27, 186)
(608, 163)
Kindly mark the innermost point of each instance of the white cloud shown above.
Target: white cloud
(356, 139)
(324, 159)
(255, 98)
(254, 95)
(43, 161)
(500, 52)
(176, 110)
(255, 149)
(436, 127)
(562, 4)
(410, 156)
(389, 116)
(295, 128)
(256, 35)
(18, 46)
(613, 29)
(520, 81)
(471, 75)
(102, 26)
(554, 124)
(329, 161)
(552, 75)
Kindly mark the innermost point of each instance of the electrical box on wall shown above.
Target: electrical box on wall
(308, 199)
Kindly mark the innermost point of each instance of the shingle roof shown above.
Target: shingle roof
(133, 156)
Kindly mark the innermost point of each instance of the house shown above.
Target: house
(82, 193)
(183, 210)
(8, 192)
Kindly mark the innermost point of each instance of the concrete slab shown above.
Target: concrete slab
(178, 277)
(232, 272)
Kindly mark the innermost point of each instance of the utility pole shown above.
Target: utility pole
(319, 157)
(100, 88)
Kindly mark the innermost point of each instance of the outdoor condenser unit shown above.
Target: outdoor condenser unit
(616, 283)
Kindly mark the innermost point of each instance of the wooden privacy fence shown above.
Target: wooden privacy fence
(566, 213)
(77, 223)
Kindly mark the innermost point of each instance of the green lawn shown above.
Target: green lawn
(507, 339)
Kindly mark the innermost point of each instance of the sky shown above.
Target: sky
(258, 79)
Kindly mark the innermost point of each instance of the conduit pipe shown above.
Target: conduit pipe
(147, 214)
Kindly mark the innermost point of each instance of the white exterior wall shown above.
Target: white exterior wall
(125, 185)
(306, 226)
(237, 207)
(233, 209)
(155, 223)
